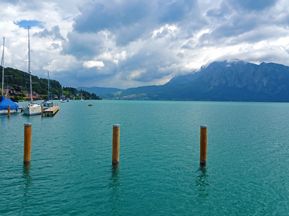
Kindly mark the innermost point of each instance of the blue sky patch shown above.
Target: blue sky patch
(29, 23)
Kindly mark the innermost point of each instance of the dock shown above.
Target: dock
(51, 111)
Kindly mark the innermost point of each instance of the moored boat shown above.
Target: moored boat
(32, 108)
(49, 108)
(7, 106)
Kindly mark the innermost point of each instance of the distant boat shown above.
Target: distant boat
(31, 108)
(49, 108)
(47, 104)
(81, 99)
(62, 98)
(6, 103)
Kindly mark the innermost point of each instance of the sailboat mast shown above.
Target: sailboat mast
(31, 99)
(48, 96)
(2, 64)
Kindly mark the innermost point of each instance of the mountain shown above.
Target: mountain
(221, 81)
(102, 91)
(17, 83)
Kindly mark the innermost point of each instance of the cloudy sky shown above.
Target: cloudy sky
(127, 43)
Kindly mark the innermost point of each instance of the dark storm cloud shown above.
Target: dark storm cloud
(110, 15)
(84, 45)
(149, 64)
(130, 19)
(54, 33)
(85, 75)
(242, 21)
(255, 5)
(174, 11)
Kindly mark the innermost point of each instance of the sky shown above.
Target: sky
(130, 43)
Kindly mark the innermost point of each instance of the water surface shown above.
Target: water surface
(71, 172)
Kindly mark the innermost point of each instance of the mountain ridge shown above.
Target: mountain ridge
(220, 81)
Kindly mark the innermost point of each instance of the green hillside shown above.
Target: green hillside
(17, 83)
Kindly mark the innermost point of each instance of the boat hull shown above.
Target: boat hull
(5, 112)
(32, 109)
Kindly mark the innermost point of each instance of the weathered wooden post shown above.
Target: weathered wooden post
(8, 111)
(203, 146)
(27, 142)
(115, 144)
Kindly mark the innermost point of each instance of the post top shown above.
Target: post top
(27, 124)
(203, 126)
(116, 125)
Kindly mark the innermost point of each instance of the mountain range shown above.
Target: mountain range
(218, 81)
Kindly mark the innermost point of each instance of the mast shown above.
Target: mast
(31, 99)
(48, 88)
(2, 64)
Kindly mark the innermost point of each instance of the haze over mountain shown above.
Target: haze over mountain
(219, 81)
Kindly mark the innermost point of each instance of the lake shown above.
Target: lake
(71, 172)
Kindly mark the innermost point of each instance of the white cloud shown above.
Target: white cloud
(165, 30)
(93, 64)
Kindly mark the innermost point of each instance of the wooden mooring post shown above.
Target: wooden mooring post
(203, 146)
(115, 144)
(27, 142)
(8, 111)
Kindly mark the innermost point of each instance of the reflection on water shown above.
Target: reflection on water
(115, 191)
(202, 182)
(115, 175)
(4, 120)
(27, 181)
(27, 178)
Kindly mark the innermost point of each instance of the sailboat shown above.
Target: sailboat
(62, 98)
(7, 106)
(32, 108)
(48, 103)
(49, 108)
(81, 99)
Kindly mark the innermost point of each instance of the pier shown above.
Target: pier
(51, 111)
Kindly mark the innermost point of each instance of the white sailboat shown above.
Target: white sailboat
(32, 108)
(47, 103)
(49, 108)
(81, 99)
(62, 98)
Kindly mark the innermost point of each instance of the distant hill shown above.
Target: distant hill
(221, 81)
(18, 84)
(102, 91)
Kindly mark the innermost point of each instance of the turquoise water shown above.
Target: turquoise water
(71, 174)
